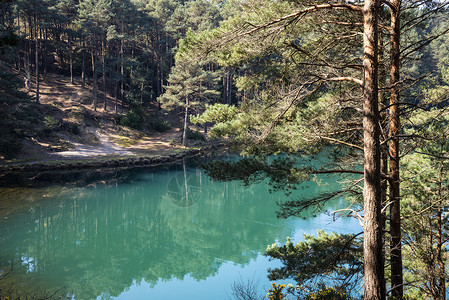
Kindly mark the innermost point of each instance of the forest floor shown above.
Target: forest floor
(64, 126)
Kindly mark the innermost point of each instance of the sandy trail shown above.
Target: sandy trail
(159, 144)
(106, 147)
(68, 96)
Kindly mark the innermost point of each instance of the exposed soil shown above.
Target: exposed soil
(68, 128)
(159, 144)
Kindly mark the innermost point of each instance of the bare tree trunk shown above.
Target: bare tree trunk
(372, 242)
(162, 82)
(186, 119)
(141, 92)
(441, 265)
(158, 62)
(397, 290)
(19, 60)
(131, 75)
(440, 244)
(43, 60)
(71, 59)
(94, 71)
(83, 67)
(430, 262)
(103, 50)
(383, 101)
(122, 71)
(228, 88)
(37, 69)
(224, 88)
(115, 96)
(28, 56)
(27, 69)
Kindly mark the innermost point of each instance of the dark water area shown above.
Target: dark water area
(165, 232)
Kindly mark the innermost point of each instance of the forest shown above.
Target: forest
(365, 81)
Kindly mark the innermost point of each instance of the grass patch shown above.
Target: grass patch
(125, 141)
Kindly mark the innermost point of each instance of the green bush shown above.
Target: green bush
(330, 293)
(159, 125)
(118, 119)
(50, 122)
(72, 128)
(195, 135)
(10, 147)
(132, 119)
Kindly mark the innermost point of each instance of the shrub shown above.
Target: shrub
(50, 122)
(195, 135)
(159, 125)
(276, 292)
(132, 119)
(330, 293)
(10, 147)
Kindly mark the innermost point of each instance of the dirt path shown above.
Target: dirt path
(57, 90)
(110, 139)
(159, 144)
(105, 147)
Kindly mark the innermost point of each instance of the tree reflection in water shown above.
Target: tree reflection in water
(184, 189)
(99, 236)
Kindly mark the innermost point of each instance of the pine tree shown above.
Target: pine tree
(190, 86)
(94, 17)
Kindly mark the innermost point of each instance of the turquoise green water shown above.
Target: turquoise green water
(146, 233)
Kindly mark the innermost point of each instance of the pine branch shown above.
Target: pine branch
(422, 18)
(433, 155)
(421, 44)
(347, 78)
(339, 171)
(299, 96)
(341, 142)
(298, 14)
(342, 23)
(325, 63)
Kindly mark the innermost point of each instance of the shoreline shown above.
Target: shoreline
(106, 161)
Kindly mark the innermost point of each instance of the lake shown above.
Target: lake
(165, 232)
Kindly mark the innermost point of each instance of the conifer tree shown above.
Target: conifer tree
(425, 198)
(94, 16)
(190, 86)
(373, 247)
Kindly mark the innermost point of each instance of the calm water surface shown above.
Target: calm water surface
(145, 233)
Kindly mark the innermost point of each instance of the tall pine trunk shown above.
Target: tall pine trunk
(439, 235)
(116, 87)
(141, 92)
(37, 68)
(131, 75)
(28, 56)
(186, 120)
(383, 102)
(122, 72)
(94, 74)
(229, 88)
(83, 66)
(224, 88)
(27, 68)
(395, 210)
(372, 242)
(103, 50)
(115, 97)
(71, 58)
(42, 52)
